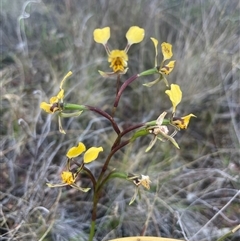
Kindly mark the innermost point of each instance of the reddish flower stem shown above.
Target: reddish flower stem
(106, 115)
(123, 87)
(131, 128)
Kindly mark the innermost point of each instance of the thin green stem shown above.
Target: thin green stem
(92, 230)
(94, 216)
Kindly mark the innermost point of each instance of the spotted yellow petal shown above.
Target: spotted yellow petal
(46, 107)
(135, 35)
(186, 120)
(101, 35)
(91, 154)
(167, 69)
(166, 51)
(182, 122)
(68, 178)
(118, 60)
(76, 150)
(155, 42)
(175, 95)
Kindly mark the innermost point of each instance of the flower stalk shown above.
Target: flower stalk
(158, 128)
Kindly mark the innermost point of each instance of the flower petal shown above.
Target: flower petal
(106, 74)
(74, 114)
(56, 185)
(46, 107)
(134, 196)
(54, 99)
(118, 60)
(160, 119)
(101, 35)
(155, 42)
(135, 35)
(182, 122)
(82, 189)
(61, 130)
(166, 51)
(91, 154)
(150, 84)
(170, 138)
(145, 181)
(64, 78)
(167, 69)
(76, 150)
(111, 74)
(165, 80)
(175, 95)
(68, 178)
(60, 94)
(151, 144)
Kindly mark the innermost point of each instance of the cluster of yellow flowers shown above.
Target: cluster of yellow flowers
(118, 60)
(68, 177)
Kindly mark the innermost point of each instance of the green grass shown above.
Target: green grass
(193, 190)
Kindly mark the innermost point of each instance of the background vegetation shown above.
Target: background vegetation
(195, 190)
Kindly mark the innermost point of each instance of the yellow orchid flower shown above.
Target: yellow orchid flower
(56, 104)
(160, 132)
(163, 69)
(55, 101)
(145, 181)
(175, 95)
(90, 155)
(69, 179)
(138, 180)
(118, 58)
